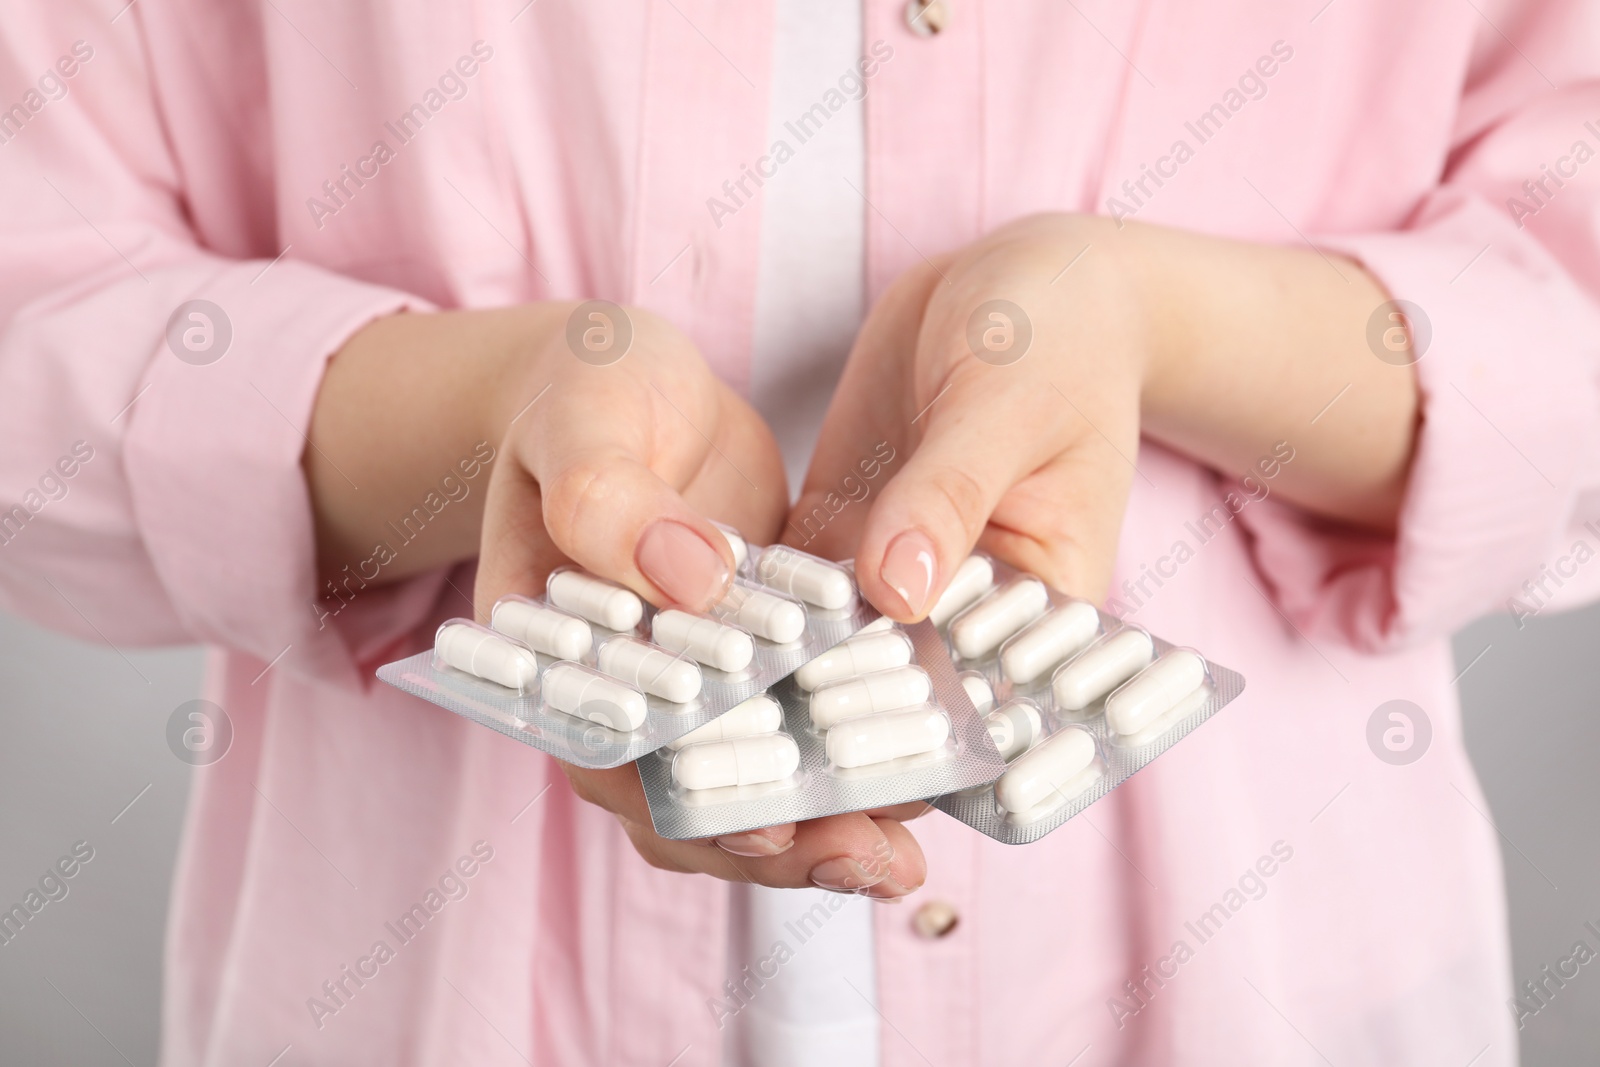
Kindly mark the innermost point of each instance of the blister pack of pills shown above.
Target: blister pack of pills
(880, 719)
(1075, 700)
(593, 675)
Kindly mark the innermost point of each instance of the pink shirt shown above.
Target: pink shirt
(228, 152)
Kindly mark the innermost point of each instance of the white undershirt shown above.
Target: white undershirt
(818, 1010)
(811, 282)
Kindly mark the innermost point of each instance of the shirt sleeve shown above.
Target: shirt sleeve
(1501, 266)
(154, 393)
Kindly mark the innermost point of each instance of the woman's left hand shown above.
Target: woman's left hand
(1009, 392)
(1013, 378)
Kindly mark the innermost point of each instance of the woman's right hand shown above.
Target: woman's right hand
(613, 463)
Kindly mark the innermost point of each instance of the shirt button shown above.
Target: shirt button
(935, 919)
(927, 17)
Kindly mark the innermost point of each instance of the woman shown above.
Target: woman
(307, 282)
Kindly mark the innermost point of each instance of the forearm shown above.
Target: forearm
(403, 412)
(1251, 345)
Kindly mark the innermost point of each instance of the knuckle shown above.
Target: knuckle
(1068, 564)
(580, 495)
(652, 857)
(585, 789)
(1060, 570)
(963, 496)
(648, 846)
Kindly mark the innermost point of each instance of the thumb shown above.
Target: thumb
(931, 513)
(610, 514)
(583, 491)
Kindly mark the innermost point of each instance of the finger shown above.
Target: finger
(907, 868)
(749, 494)
(844, 853)
(1063, 521)
(611, 514)
(754, 844)
(608, 456)
(619, 791)
(742, 483)
(981, 439)
(608, 512)
(913, 809)
(515, 553)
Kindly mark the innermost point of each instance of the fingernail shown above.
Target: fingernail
(888, 891)
(908, 568)
(753, 845)
(681, 564)
(842, 875)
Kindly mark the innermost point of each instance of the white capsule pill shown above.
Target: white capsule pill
(823, 584)
(1156, 690)
(737, 545)
(982, 627)
(868, 695)
(759, 715)
(1014, 727)
(880, 738)
(1048, 772)
(978, 691)
(972, 579)
(1047, 642)
(485, 654)
(859, 655)
(741, 761)
(764, 614)
(596, 599)
(713, 643)
(882, 622)
(1102, 668)
(543, 629)
(656, 671)
(574, 690)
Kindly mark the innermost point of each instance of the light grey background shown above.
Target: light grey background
(85, 735)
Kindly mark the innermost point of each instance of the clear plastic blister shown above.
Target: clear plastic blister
(1081, 700)
(592, 674)
(903, 730)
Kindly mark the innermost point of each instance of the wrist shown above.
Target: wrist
(1157, 291)
(1108, 286)
(1142, 296)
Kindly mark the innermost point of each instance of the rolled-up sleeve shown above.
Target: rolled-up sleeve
(1504, 488)
(185, 515)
